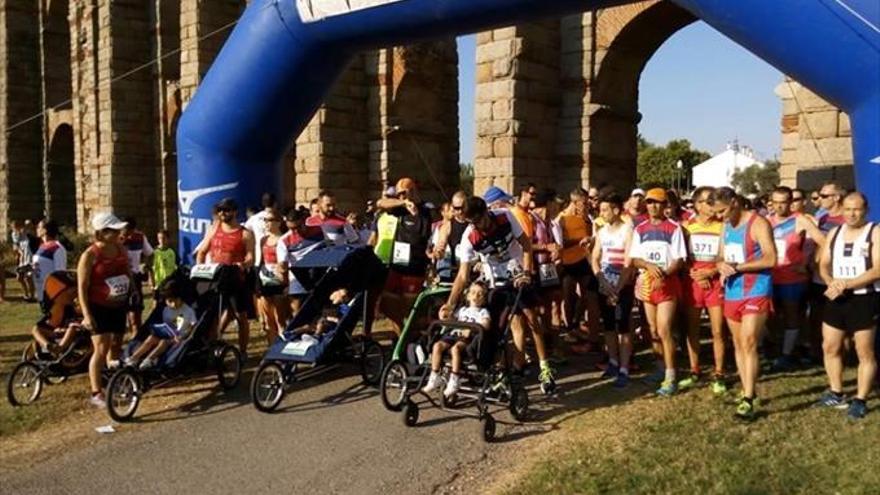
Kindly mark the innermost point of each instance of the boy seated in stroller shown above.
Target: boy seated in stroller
(61, 315)
(456, 340)
(178, 321)
(330, 316)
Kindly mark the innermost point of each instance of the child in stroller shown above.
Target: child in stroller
(330, 315)
(61, 315)
(178, 321)
(456, 340)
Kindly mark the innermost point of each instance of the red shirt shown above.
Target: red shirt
(107, 273)
(228, 248)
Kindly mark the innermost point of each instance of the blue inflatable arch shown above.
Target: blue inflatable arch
(284, 55)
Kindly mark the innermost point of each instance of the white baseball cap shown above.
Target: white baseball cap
(107, 220)
(636, 191)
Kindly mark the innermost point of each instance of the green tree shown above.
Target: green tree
(466, 177)
(755, 179)
(658, 164)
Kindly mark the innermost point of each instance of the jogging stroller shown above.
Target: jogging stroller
(412, 349)
(323, 272)
(487, 372)
(43, 366)
(204, 288)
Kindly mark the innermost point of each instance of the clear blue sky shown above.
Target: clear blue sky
(699, 85)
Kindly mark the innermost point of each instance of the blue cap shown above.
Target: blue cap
(494, 194)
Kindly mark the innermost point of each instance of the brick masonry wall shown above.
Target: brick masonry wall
(21, 181)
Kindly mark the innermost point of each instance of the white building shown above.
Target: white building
(718, 170)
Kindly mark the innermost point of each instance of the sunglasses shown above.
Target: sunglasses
(652, 202)
(225, 210)
(797, 198)
(825, 196)
(271, 219)
(594, 198)
(458, 208)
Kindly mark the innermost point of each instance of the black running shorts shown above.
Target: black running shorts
(851, 312)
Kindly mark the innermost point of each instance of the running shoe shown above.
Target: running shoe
(611, 371)
(690, 382)
(452, 386)
(857, 409)
(745, 410)
(98, 401)
(657, 376)
(718, 386)
(432, 383)
(622, 380)
(783, 364)
(147, 364)
(667, 388)
(833, 400)
(548, 380)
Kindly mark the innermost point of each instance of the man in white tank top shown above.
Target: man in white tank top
(850, 265)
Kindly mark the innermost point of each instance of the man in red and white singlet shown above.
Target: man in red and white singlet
(232, 244)
(791, 274)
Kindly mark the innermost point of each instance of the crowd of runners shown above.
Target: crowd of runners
(790, 280)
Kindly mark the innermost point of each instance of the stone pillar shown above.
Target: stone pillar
(198, 18)
(331, 152)
(816, 139)
(166, 90)
(132, 117)
(413, 120)
(517, 100)
(21, 181)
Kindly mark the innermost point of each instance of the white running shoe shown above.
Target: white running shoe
(432, 383)
(98, 401)
(147, 364)
(452, 386)
(112, 364)
(130, 361)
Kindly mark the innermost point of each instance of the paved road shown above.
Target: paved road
(330, 436)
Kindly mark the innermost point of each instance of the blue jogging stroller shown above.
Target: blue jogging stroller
(321, 333)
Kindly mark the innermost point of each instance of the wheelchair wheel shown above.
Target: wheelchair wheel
(487, 428)
(410, 413)
(228, 365)
(123, 394)
(267, 387)
(519, 403)
(24, 384)
(372, 361)
(392, 386)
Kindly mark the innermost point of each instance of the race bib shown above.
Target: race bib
(268, 276)
(117, 287)
(704, 246)
(547, 275)
(849, 267)
(205, 271)
(401, 253)
(781, 246)
(656, 252)
(734, 253)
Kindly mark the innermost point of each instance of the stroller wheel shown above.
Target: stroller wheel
(79, 356)
(487, 428)
(372, 360)
(519, 403)
(410, 413)
(228, 364)
(393, 385)
(123, 394)
(29, 353)
(24, 384)
(267, 387)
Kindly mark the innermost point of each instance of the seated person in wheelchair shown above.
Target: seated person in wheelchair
(456, 340)
(61, 315)
(178, 321)
(330, 316)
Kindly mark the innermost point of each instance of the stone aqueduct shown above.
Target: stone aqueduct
(556, 103)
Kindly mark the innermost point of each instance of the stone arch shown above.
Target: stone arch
(60, 178)
(625, 39)
(56, 55)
